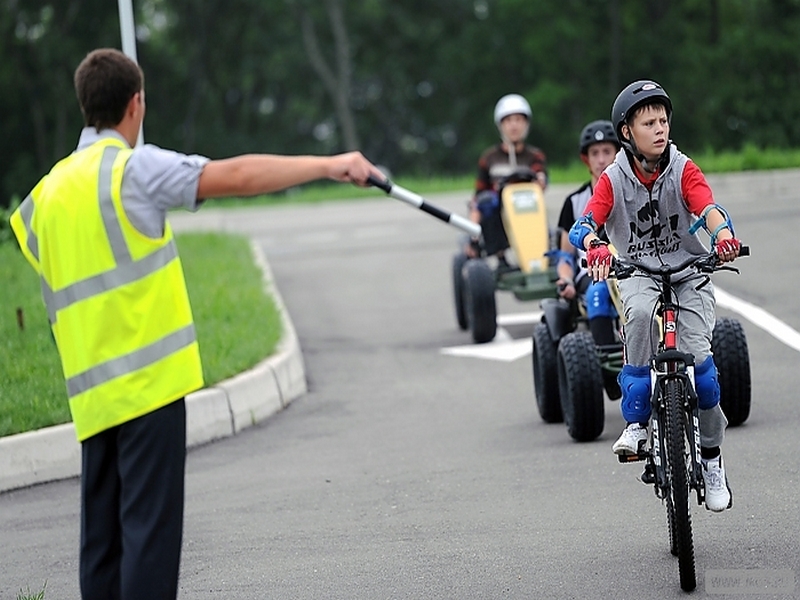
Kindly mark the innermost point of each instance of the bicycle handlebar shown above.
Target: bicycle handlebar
(707, 263)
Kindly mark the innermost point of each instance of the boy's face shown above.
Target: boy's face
(649, 130)
(598, 156)
(514, 128)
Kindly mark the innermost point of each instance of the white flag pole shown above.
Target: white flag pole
(128, 32)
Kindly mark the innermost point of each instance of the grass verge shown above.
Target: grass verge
(238, 324)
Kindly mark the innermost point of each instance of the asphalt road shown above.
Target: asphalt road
(407, 473)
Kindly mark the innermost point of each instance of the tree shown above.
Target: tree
(337, 78)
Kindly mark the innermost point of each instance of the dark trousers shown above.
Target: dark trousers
(132, 493)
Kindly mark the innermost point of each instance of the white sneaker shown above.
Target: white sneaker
(633, 436)
(718, 494)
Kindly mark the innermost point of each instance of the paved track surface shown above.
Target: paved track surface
(405, 473)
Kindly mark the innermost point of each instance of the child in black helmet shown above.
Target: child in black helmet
(651, 200)
(597, 144)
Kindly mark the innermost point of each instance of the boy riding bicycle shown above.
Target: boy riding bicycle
(651, 200)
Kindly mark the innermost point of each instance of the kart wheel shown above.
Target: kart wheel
(545, 374)
(580, 383)
(459, 260)
(729, 346)
(479, 303)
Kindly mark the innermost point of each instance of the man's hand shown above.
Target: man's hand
(598, 260)
(352, 167)
(728, 249)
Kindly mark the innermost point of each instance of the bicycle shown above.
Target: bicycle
(672, 452)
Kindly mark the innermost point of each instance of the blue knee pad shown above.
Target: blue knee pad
(598, 301)
(635, 385)
(706, 383)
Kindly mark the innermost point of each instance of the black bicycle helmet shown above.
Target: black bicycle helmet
(632, 97)
(597, 131)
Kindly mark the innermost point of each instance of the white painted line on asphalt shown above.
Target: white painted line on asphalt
(759, 317)
(503, 348)
(519, 318)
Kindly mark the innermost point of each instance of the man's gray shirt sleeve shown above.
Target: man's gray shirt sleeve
(157, 180)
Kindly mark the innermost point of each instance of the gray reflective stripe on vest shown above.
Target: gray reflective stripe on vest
(129, 363)
(93, 286)
(26, 212)
(127, 270)
(113, 229)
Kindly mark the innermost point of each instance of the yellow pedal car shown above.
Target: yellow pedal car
(514, 220)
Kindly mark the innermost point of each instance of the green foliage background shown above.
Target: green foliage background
(231, 76)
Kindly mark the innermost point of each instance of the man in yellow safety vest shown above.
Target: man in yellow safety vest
(95, 230)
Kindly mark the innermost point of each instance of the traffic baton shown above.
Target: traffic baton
(400, 193)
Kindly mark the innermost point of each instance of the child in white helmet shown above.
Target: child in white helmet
(512, 115)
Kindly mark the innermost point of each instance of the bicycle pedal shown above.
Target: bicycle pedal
(627, 458)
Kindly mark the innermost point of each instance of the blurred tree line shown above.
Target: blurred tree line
(411, 83)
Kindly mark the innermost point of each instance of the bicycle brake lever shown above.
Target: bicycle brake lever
(728, 268)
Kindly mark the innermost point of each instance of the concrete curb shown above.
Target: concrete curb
(212, 413)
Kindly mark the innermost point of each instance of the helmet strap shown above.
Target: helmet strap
(648, 166)
(512, 148)
(512, 151)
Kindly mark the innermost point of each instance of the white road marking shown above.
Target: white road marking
(761, 318)
(519, 318)
(504, 348)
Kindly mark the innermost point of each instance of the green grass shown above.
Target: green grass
(28, 595)
(32, 393)
(237, 324)
(750, 158)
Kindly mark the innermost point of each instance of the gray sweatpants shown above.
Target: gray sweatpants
(696, 318)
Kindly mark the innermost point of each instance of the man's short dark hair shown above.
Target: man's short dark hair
(105, 82)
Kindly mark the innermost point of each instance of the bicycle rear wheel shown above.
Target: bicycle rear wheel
(679, 514)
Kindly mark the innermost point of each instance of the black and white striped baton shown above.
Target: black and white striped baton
(400, 193)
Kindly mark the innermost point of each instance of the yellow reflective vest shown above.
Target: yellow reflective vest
(116, 299)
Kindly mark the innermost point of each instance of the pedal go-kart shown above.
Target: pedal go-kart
(518, 224)
(571, 372)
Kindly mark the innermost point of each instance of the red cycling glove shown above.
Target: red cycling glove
(598, 255)
(729, 246)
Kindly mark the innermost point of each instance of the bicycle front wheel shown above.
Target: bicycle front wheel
(678, 503)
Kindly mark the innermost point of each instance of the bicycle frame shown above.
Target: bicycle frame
(669, 364)
(673, 460)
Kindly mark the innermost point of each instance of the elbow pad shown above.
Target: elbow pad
(580, 229)
(701, 222)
